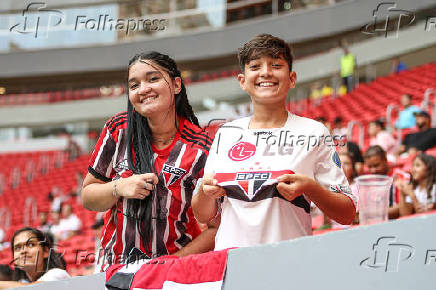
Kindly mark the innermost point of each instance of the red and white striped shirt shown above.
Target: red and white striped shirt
(180, 165)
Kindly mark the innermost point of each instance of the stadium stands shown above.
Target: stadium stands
(37, 190)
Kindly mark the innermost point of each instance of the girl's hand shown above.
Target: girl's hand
(136, 186)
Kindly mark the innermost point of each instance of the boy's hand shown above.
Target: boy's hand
(210, 187)
(292, 185)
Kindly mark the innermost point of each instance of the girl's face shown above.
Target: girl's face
(151, 90)
(347, 166)
(419, 170)
(28, 252)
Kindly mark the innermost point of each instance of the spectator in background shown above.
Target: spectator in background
(43, 224)
(376, 162)
(69, 224)
(34, 260)
(339, 128)
(398, 66)
(324, 121)
(354, 150)
(5, 273)
(420, 194)
(315, 93)
(326, 90)
(72, 149)
(406, 119)
(379, 136)
(56, 197)
(348, 63)
(349, 167)
(97, 227)
(55, 220)
(422, 140)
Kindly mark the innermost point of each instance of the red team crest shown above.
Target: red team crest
(242, 151)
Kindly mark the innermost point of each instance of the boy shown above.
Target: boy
(263, 171)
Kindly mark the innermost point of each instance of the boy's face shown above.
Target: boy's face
(267, 80)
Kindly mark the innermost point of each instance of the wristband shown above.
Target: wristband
(114, 191)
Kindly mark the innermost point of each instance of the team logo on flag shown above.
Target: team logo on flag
(242, 151)
(172, 174)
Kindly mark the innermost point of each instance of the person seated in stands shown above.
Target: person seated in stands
(72, 149)
(398, 66)
(339, 128)
(349, 167)
(376, 162)
(34, 260)
(379, 136)
(69, 225)
(420, 194)
(324, 121)
(406, 119)
(5, 273)
(56, 197)
(354, 150)
(43, 224)
(422, 140)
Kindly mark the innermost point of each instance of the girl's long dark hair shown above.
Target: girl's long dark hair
(139, 137)
(54, 259)
(430, 178)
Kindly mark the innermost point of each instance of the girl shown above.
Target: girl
(420, 194)
(145, 166)
(34, 259)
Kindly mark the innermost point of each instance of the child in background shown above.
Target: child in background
(420, 194)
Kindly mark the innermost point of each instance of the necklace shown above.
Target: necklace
(164, 141)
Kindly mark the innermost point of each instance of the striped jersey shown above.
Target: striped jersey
(179, 165)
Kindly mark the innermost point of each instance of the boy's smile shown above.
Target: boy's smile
(267, 80)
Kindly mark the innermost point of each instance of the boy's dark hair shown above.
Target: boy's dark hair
(264, 45)
(375, 150)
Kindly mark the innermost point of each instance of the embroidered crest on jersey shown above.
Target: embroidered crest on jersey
(249, 181)
(172, 174)
(242, 151)
(336, 160)
(123, 165)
